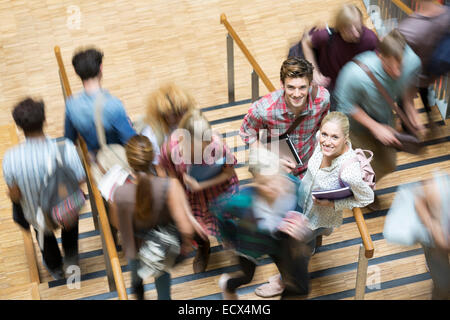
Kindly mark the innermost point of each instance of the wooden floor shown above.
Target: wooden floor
(182, 41)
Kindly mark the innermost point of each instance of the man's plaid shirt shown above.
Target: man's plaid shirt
(270, 112)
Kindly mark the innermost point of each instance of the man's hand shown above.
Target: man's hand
(320, 79)
(385, 135)
(287, 165)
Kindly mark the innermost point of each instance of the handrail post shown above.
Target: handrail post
(230, 68)
(361, 274)
(255, 86)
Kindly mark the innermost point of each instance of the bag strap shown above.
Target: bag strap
(98, 105)
(386, 96)
(61, 151)
(301, 117)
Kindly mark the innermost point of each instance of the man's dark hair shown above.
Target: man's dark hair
(295, 67)
(87, 63)
(29, 115)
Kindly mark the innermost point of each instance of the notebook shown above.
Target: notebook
(286, 150)
(203, 172)
(334, 194)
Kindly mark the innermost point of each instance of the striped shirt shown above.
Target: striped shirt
(271, 113)
(26, 165)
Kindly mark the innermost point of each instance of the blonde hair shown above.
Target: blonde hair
(263, 161)
(340, 119)
(195, 122)
(347, 16)
(393, 45)
(168, 100)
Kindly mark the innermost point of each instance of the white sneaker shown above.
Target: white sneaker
(227, 295)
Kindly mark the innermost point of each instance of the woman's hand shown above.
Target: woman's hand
(191, 183)
(323, 202)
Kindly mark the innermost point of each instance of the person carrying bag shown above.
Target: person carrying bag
(109, 158)
(409, 142)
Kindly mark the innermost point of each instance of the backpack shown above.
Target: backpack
(60, 197)
(367, 173)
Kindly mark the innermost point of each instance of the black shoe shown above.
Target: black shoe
(201, 259)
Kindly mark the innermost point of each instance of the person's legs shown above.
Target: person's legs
(229, 285)
(384, 158)
(292, 262)
(423, 92)
(70, 245)
(136, 281)
(162, 284)
(438, 263)
(52, 256)
(19, 217)
(202, 257)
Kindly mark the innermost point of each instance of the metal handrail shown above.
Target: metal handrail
(257, 71)
(106, 234)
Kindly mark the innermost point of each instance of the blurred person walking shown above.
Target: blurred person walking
(395, 66)
(147, 205)
(25, 168)
(420, 213)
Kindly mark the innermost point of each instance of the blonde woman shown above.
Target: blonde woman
(333, 150)
(200, 146)
(166, 106)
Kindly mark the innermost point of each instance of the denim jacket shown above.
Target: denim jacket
(80, 118)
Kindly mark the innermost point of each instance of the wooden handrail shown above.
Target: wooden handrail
(247, 54)
(365, 235)
(403, 7)
(30, 254)
(104, 222)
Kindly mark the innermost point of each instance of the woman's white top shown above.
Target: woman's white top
(327, 179)
(148, 132)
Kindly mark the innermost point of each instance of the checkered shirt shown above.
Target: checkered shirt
(270, 112)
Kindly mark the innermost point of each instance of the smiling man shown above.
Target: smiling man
(278, 110)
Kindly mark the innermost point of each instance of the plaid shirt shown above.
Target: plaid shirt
(201, 201)
(270, 112)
